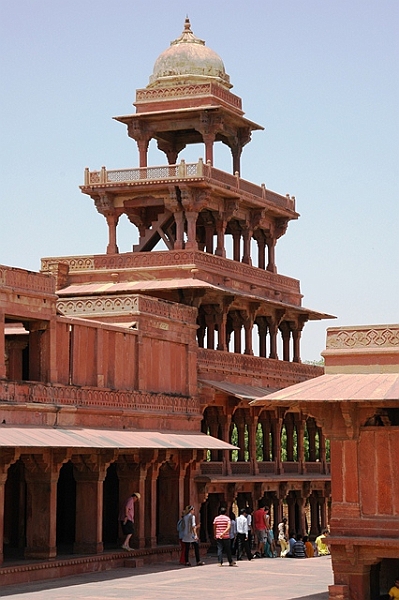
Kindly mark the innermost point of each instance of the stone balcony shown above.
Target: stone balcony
(197, 173)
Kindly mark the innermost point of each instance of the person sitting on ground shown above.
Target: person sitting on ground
(323, 548)
(394, 591)
(291, 543)
(299, 550)
(308, 547)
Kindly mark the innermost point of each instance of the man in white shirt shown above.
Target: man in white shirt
(242, 535)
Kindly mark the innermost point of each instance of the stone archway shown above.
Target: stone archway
(167, 504)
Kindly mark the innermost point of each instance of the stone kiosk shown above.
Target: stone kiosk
(134, 371)
(357, 404)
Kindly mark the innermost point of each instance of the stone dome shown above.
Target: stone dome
(188, 60)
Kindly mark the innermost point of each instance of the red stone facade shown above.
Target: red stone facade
(173, 339)
(357, 404)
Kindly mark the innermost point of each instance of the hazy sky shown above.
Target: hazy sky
(320, 75)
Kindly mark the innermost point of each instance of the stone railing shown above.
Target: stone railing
(91, 397)
(26, 280)
(182, 91)
(178, 258)
(369, 336)
(253, 370)
(185, 172)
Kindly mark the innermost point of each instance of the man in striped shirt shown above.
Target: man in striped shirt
(221, 529)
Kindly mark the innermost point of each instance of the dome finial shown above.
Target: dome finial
(187, 25)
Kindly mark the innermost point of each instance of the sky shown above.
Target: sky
(320, 75)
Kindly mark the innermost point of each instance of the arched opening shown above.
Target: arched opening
(167, 504)
(15, 512)
(66, 509)
(110, 507)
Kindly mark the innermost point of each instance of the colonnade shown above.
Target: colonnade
(228, 325)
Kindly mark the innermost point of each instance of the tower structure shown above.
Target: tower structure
(177, 335)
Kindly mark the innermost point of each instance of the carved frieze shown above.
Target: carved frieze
(363, 337)
(96, 397)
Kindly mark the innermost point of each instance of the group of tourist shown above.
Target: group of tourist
(234, 537)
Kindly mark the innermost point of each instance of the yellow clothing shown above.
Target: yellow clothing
(394, 592)
(322, 547)
(309, 549)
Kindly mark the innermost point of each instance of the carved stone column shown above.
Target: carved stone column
(300, 428)
(2, 348)
(247, 234)
(261, 241)
(221, 225)
(179, 220)
(285, 334)
(41, 481)
(273, 331)
(191, 217)
(236, 245)
(262, 332)
(291, 501)
(314, 516)
(240, 424)
(271, 246)
(142, 143)
(112, 222)
(89, 472)
(225, 425)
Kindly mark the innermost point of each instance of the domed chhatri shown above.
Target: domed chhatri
(188, 60)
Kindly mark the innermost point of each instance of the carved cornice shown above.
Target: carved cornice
(126, 305)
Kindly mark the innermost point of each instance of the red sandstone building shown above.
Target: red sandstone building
(356, 403)
(135, 371)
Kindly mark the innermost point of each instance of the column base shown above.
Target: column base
(88, 547)
(38, 552)
(338, 592)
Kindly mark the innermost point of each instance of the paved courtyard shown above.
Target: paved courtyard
(271, 579)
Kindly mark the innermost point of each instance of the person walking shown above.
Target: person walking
(221, 533)
(190, 536)
(242, 536)
(180, 529)
(282, 537)
(126, 518)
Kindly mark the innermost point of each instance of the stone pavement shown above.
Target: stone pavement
(271, 579)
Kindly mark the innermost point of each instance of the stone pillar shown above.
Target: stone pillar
(246, 257)
(273, 330)
(323, 512)
(41, 518)
(248, 322)
(276, 426)
(252, 427)
(262, 333)
(271, 245)
(89, 472)
(191, 217)
(225, 425)
(2, 347)
(314, 516)
(209, 231)
(240, 424)
(266, 429)
(261, 252)
(301, 501)
(296, 337)
(14, 349)
(209, 139)
(236, 245)
(179, 220)
(311, 428)
(142, 144)
(112, 222)
(291, 501)
(8, 457)
(289, 427)
(300, 428)
(285, 334)
(221, 321)
(221, 225)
